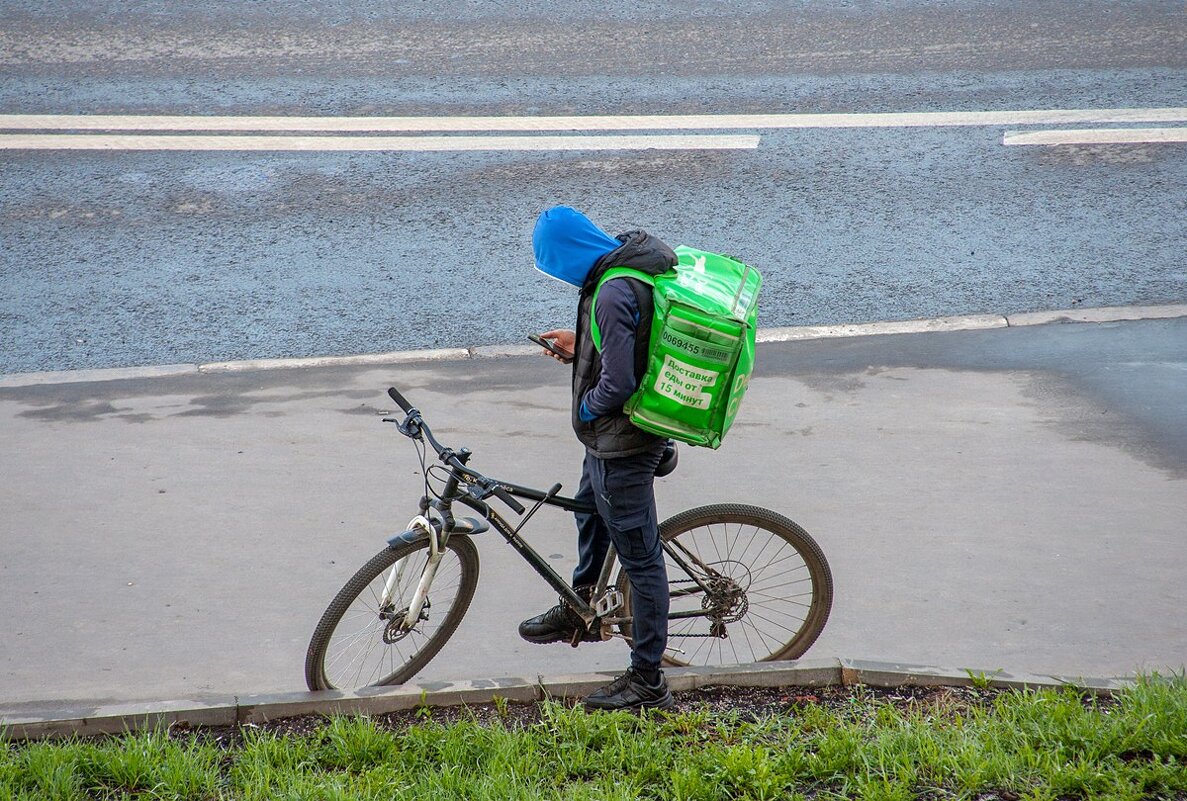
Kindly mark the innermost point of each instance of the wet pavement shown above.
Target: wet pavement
(1005, 498)
(131, 258)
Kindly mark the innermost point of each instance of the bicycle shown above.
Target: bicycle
(401, 607)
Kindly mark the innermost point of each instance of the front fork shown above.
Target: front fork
(396, 575)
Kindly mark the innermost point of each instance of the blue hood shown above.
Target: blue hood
(567, 244)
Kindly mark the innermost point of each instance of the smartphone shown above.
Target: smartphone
(548, 345)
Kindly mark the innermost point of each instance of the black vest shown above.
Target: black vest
(613, 435)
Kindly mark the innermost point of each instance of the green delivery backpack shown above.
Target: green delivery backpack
(702, 346)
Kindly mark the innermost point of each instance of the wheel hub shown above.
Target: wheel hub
(397, 628)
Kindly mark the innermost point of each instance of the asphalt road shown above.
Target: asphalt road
(126, 258)
(1009, 498)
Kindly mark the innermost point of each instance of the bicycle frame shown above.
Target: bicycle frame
(605, 605)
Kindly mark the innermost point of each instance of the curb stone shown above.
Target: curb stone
(395, 357)
(969, 322)
(83, 721)
(33, 721)
(893, 674)
(104, 374)
(500, 351)
(1102, 314)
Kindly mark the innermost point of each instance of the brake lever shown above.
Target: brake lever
(482, 490)
(490, 488)
(409, 426)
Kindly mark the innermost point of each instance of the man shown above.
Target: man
(620, 460)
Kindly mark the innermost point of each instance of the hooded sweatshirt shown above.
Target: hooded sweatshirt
(567, 244)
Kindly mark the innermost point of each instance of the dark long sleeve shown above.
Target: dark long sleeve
(617, 313)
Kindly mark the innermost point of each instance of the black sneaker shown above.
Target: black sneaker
(558, 624)
(631, 691)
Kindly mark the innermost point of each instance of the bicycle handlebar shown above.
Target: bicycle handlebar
(506, 497)
(399, 399)
(415, 426)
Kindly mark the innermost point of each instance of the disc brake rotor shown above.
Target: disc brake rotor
(396, 630)
(726, 601)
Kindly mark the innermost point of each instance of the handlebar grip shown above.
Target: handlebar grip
(400, 400)
(506, 497)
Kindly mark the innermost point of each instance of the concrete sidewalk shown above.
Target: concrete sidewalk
(1011, 497)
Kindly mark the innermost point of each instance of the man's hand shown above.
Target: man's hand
(563, 339)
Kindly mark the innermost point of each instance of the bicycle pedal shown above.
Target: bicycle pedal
(612, 601)
(595, 633)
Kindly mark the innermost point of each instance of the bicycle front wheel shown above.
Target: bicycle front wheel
(769, 587)
(361, 639)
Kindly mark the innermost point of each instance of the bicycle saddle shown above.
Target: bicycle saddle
(668, 463)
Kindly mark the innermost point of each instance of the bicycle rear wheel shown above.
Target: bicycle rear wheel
(771, 589)
(360, 640)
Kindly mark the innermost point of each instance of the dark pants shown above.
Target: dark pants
(622, 491)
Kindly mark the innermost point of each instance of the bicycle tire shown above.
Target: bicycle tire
(740, 518)
(461, 556)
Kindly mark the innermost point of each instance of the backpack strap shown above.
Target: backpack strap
(614, 272)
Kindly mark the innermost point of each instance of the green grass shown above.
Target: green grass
(1014, 745)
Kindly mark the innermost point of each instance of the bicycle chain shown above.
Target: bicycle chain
(693, 634)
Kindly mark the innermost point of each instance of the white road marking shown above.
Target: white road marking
(380, 143)
(1096, 136)
(104, 122)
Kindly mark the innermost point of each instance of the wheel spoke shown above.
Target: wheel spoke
(771, 560)
(807, 579)
(749, 645)
(762, 636)
(753, 594)
(713, 540)
(701, 644)
(351, 639)
(752, 613)
(797, 603)
(781, 560)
